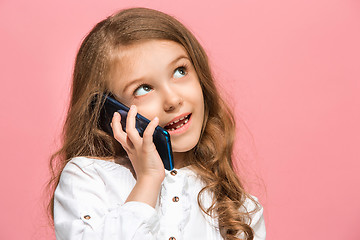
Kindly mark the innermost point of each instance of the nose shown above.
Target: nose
(172, 99)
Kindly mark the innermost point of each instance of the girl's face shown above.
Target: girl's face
(158, 77)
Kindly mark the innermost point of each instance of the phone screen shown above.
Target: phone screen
(161, 137)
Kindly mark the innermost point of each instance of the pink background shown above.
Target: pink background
(291, 70)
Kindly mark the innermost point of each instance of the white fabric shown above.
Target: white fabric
(90, 204)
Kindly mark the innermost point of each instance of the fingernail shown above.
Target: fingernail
(156, 118)
(132, 107)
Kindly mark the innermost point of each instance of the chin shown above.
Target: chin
(185, 147)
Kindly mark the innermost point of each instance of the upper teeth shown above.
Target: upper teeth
(179, 120)
(186, 120)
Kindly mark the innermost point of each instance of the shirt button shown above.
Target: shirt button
(172, 238)
(175, 199)
(173, 172)
(87, 217)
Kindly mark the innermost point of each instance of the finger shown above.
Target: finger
(148, 133)
(131, 131)
(118, 132)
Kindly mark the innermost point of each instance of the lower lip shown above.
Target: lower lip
(181, 129)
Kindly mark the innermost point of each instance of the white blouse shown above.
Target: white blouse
(90, 204)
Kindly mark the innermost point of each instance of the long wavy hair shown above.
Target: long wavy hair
(212, 156)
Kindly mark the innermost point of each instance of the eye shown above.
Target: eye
(180, 72)
(142, 90)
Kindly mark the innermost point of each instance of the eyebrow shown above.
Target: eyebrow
(141, 79)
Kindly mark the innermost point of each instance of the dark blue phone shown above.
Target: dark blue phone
(161, 137)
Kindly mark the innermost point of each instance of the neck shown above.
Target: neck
(179, 159)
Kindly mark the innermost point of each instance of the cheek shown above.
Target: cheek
(148, 110)
(192, 90)
(197, 95)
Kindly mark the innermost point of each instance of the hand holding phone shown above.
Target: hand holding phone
(161, 137)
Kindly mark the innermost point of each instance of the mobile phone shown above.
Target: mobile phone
(161, 137)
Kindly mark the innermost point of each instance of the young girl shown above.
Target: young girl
(115, 186)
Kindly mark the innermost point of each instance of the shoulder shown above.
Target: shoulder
(88, 178)
(251, 204)
(254, 208)
(87, 170)
(88, 162)
(96, 165)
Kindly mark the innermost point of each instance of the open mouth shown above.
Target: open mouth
(178, 123)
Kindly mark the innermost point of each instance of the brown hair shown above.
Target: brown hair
(211, 158)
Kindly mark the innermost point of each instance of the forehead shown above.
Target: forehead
(144, 59)
(144, 53)
(149, 48)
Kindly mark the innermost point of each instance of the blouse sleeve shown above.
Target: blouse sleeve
(82, 210)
